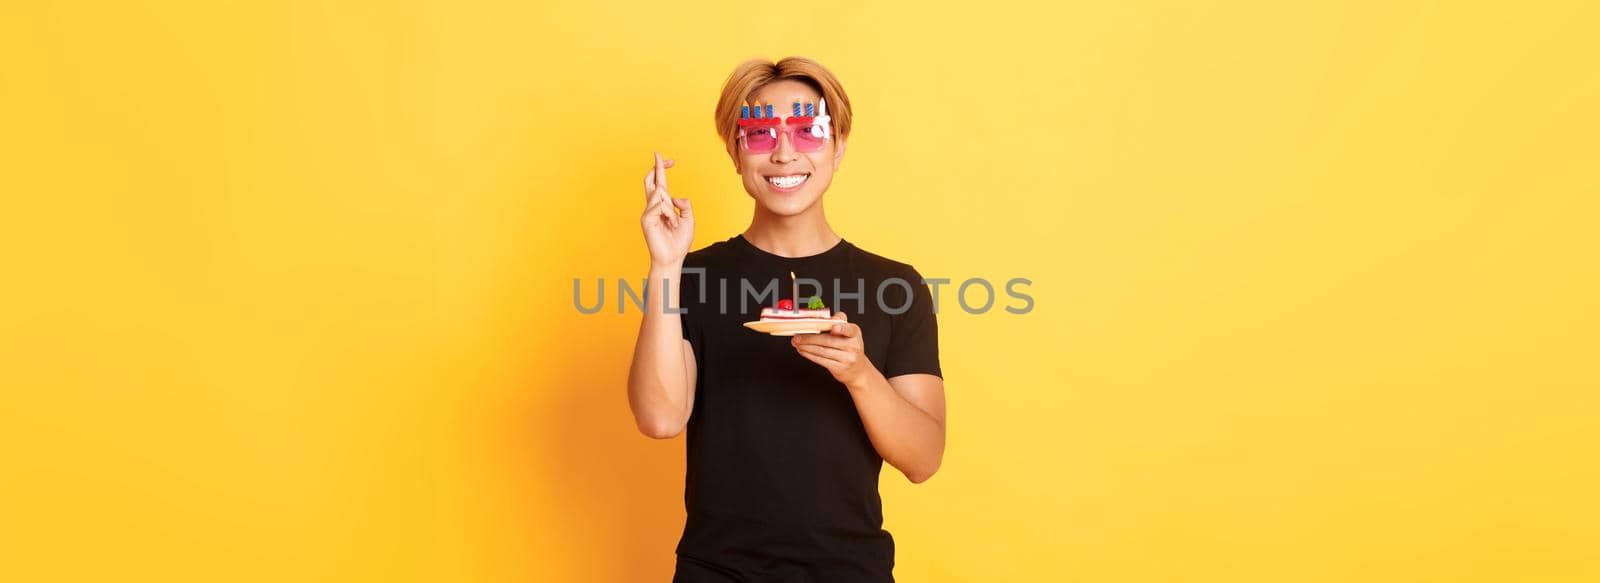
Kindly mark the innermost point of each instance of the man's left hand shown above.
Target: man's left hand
(839, 350)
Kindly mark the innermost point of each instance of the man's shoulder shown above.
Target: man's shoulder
(884, 266)
(716, 253)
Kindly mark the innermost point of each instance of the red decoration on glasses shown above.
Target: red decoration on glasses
(760, 115)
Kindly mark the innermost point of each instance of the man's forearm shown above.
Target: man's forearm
(907, 437)
(657, 381)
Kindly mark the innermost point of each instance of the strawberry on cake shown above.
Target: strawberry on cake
(786, 311)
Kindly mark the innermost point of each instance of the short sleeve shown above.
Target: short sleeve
(687, 281)
(914, 334)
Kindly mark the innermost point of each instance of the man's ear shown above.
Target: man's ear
(838, 154)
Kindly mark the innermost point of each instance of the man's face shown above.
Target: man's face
(785, 163)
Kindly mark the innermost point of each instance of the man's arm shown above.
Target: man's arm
(904, 416)
(662, 377)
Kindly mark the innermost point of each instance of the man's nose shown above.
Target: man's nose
(785, 152)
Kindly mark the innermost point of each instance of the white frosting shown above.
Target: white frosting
(802, 313)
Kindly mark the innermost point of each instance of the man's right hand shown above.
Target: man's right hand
(668, 222)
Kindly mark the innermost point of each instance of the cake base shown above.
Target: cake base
(792, 327)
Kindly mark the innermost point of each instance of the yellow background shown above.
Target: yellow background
(287, 285)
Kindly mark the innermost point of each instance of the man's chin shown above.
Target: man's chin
(785, 208)
(789, 212)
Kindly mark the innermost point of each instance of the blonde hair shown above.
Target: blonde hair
(750, 76)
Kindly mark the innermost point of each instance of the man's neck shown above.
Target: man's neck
(800, 235)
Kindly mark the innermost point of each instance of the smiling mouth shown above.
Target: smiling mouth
(789, 181)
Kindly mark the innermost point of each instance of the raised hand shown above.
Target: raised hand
(668, 222)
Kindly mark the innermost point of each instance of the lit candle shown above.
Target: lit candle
(794, 291)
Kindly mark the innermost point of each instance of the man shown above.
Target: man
(786, 435)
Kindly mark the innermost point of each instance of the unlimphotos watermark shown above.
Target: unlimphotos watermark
(886, 296)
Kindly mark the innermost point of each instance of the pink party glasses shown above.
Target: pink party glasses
(760, 131)
(804, 136)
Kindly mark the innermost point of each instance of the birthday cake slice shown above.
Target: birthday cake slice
(787, 311)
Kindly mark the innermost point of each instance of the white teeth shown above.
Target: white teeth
(787, 181)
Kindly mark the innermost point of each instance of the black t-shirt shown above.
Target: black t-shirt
(782, 481)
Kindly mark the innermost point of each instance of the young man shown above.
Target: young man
(786, 435)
